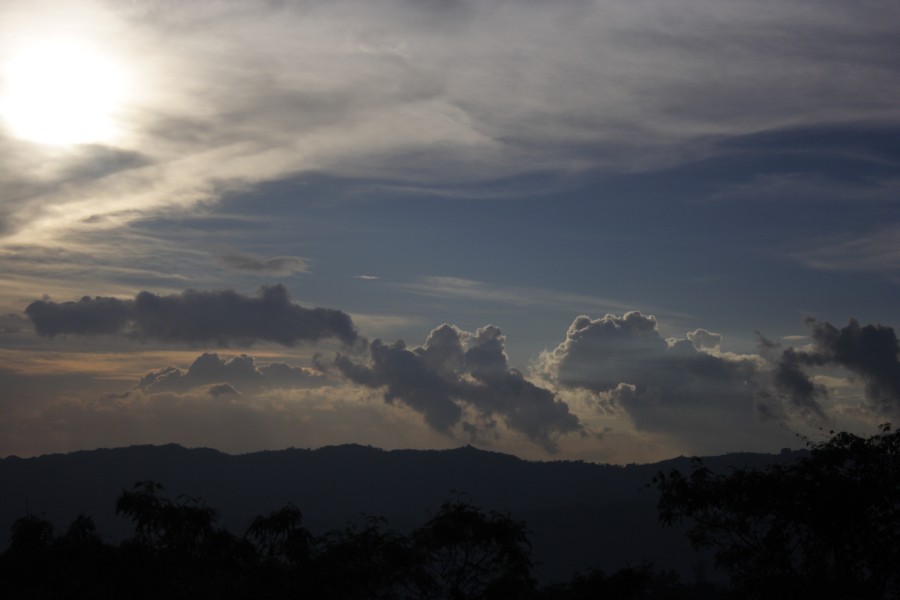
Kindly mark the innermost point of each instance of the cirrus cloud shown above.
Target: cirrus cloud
(276, 265)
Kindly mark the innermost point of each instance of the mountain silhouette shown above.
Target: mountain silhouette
(580, 515)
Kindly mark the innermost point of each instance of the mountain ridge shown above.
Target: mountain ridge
(581, 514)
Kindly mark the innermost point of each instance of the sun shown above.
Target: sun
(61, 92)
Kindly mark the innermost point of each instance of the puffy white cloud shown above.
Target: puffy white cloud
(664, 386)
(703, 339)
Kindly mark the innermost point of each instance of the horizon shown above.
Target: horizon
(545, 459)
(583, 230)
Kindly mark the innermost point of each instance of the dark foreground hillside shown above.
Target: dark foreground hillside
(579, 515)
(821, 524)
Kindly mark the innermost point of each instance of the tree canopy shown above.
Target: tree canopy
(824, 526)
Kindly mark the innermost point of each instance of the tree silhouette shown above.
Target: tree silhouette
(180, 529)
(824, 526)
(368, 562)
(279, 536)
(464, 553)
(28, 563)
(30, 536)
(39, 565)
(178, 551)
(630, 583)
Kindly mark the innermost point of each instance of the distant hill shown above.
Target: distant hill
(581, 515)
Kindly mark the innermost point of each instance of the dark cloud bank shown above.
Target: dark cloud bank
(222, 317)
(455, 370)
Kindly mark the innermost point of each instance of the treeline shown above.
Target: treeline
(178, 551)
(825, 526)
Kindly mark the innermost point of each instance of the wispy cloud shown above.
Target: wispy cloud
(276, 265)
(877, 251)
(437, 91)
(807, 188)
(470, 289)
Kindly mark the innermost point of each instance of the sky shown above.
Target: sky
(581, 230)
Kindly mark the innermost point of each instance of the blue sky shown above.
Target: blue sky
(727, 169)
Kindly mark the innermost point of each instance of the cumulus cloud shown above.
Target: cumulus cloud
(702, 339)
(792, 382)
(222, 389)
(240, 374)
(88, 316)
(869, 351)
(457, 370)
(663, 385)
(195, 317)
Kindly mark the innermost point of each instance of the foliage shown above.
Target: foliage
(369, 561)
(630, 583)
(824, 526)
(465, 553)
(280, 537)
(178, 551)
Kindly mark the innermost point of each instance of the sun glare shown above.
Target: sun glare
(61, 93)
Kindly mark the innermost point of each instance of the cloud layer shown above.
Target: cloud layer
(456, 372)
(438, 91)
(222, 317)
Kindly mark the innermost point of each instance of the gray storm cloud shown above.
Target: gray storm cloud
(241, 374)
(222, 317)
(455, 370)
